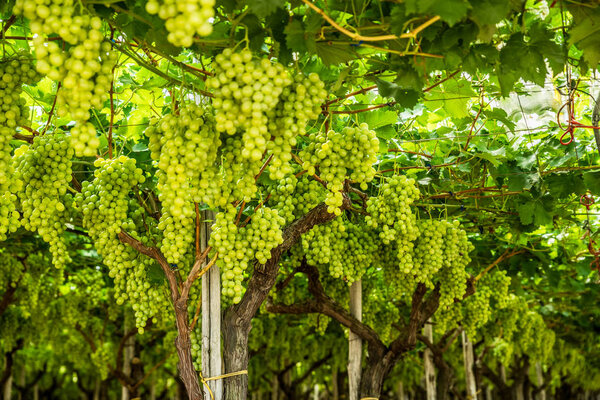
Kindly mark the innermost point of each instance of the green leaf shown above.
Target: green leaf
(584, 32)
(450, 11)
(379, 118)
(387, 132)
(498, 114)
(454, 96)
(488, 157)
(488, 12)
(405, 97)
(526, 212)
(522, 181)
(527, 161)
(332, 54)
(591, 180)
(564, 184)
(264, 8)
(294, 36)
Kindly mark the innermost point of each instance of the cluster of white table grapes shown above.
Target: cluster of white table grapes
(184, 18)
(85, 68)
(294, 197)
(346, 248)
(184, 145)
(299, 103)
(492, 294)
(340, 156)
(263, 109)
(104, 204)
(239, 246)
(44, 170)
(14, 72)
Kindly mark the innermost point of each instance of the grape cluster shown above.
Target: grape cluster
(283, 197)
(491, 295)
(11, 270)
(340, 156)
(378, 310)
(196, 341)
(85, 68)
(294, 197)
(447, 318)
(14, 72)
(246, 91)
(104, 203)
(453, 275)
(299, 103)
(391, 211)
(185, 146)
(238, 246)
(184, 18)
(346, 248)
(44, 169)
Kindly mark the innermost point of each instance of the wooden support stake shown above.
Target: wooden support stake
(211, 317)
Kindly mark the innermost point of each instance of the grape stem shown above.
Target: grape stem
(358, 37)
(51, 113)
(506, 255)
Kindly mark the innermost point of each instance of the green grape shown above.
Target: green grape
(184, 18)
(378, 309)
(11, 270)
(84, 68)
(283, 198)
(44, 168)
(341, 156)
(294, 197)
(239, 246)
(345, 247)
(14, 72)
(299, 103)
(391, 211)
(246, 91)
(196, 340)
(104, 203)
(185, 146)
(491, 295)
(453, 275)
(447, 318)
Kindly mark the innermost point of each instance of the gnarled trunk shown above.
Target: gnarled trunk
(235, 355)
(379, 364)
(184, 351)
(443, 381)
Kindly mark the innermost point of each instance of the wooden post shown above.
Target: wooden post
(519, 392)
(153, 388)
(8, 388)
(355, 343)
(540, 380)
(503, 373)
(128, 352)
(428, 364)
(400, 391)
(469, 360)
(211, 317)
(334, 384)
(274, 388)
(488, 392)
(97, 389)
(316, 392)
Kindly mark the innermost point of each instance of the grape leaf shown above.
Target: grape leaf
(264, 8)
(405, 97)
(591, 180)
(332, 54)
